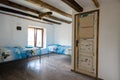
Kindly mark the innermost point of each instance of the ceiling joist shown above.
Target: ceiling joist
(15, 5)
(21, 7)
(48, 6)
(74, 5)
(96, 3)
(26, 14)
(45, 14)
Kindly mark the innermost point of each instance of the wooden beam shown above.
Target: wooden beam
(96, 3)
(48, 6)
(25, 14)
(45, 14)
(74, 5)
(24, 18)
(15, 5)
(21, 7)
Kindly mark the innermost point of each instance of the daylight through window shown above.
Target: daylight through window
(35, 37)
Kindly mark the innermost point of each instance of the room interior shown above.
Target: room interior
(57, 19)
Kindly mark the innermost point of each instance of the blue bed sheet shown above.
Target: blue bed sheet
(60, 49)
(15, 53)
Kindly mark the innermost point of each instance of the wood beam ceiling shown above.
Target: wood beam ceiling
(48, 6)
(15, 5)
(22, 17)
(45, 14)
(25, 14)
(18, 6)
(74, 5)
(96, 3)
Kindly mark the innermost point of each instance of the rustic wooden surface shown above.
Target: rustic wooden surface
(54, 67)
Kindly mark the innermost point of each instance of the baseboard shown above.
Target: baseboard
(85, 75)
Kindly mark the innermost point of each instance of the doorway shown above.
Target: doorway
(86, 43)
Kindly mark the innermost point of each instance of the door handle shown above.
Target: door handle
(77, 42)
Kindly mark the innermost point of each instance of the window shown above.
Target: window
(35, 37)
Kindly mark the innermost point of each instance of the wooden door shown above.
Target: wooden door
(86, 43)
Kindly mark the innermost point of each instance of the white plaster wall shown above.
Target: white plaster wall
(9, 36)
(63, 34)
(109, 40)
(5, 32)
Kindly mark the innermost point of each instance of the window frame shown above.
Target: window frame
(35, 36)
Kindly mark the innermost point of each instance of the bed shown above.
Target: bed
(59, 49)
(15, 53)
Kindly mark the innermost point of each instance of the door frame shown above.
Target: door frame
(76, 42)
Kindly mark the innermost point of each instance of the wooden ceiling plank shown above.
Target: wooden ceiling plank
(21, 7)
(96, 3)
(48, 6)
(74, 5)
(26, 14)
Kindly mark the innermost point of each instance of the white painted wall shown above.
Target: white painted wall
(63, 34)
(9, 36)
(109, 40)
